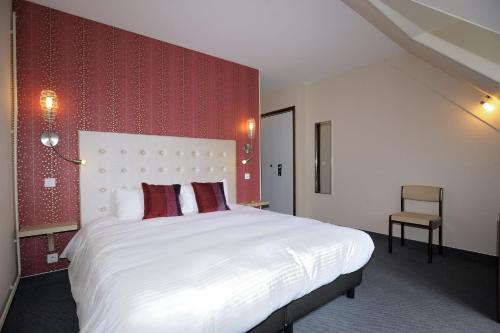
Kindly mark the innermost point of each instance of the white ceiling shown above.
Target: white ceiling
(484, 13)
(289, 41)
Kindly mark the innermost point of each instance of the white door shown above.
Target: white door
(277, 161)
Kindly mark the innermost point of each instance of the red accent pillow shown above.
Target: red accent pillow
(161, 200)
(210, 197)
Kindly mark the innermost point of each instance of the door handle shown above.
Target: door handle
(279, 169)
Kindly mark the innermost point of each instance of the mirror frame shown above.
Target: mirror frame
(317, 167)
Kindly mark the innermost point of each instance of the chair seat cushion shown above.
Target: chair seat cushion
(416, 218)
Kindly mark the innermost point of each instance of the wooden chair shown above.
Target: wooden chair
(419, 220)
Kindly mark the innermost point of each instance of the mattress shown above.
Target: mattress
(213, 272)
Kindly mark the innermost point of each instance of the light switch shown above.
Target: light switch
(247, 176)
(49, 182)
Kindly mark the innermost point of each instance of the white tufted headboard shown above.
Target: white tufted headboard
(116, 160)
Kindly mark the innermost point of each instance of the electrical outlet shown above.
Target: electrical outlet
(49, 182)
(52, 258)
(247, 176)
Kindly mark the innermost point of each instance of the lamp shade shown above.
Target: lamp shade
(251, 128)
(49, 104)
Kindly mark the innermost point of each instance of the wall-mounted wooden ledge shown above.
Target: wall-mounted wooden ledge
(49, 230)
(255, 203)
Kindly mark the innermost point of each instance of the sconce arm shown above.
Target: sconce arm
(78, 162)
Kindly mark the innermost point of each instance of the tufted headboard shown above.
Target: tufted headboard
(116, 160)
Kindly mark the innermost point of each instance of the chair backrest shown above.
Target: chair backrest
(422, 193)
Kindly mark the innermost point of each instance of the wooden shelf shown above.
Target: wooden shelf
(46, 229)
(255, 203)
(49, 230)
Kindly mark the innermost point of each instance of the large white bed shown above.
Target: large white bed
(214, 272)
(218, 272)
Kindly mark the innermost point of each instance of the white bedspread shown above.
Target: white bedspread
(214, 272)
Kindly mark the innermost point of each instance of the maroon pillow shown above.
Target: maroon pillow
(210, 197)
(161, 200)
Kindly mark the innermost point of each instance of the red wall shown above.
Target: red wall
(112, 80)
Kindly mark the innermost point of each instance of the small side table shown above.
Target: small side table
(49, 230)
(256, 203)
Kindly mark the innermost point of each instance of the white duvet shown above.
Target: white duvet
(213, 272)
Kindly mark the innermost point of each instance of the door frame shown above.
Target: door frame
(277, 112)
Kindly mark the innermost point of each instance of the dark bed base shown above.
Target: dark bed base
(282, 319)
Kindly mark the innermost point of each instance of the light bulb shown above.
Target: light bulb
(49, 103)
(487, 106)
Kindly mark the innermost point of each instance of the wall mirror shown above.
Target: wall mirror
(323, 157)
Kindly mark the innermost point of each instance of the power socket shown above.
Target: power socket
(52, 258)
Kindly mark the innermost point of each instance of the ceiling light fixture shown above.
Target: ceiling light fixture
(487, 104)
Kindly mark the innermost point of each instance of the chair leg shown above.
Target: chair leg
(350, 293)
(402, 234)
(441, 239)
(390, 235)
(429, 246)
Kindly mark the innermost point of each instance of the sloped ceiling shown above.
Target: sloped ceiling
(447, 41)
(289, 41)
(483, 13)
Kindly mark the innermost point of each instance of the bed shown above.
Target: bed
(239, 270)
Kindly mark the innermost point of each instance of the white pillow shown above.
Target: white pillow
(226, 192)
(129, 203)
(188, 200)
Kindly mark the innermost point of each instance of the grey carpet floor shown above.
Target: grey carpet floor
(400, 293)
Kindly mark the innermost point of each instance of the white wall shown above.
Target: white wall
(8, 269)
(397, 122)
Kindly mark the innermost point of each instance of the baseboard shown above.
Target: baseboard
(43, 273)
(9, 302)
(450, 250)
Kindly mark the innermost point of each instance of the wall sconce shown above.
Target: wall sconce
(486, 104)
(248, 148)
(49, 105)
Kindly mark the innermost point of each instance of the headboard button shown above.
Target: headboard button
(224, 169)
(142, 152)
(123, 151)
(102, 170)
(224, 154)
(143, 170)
(210, 169)
(180, 169)
(196, 169)
(123, 170)
(210, 154)
(180, 153)
(102, 151)
(161, 152)
(103, 209)
(161, 169)
(102, 190)
(196, 153)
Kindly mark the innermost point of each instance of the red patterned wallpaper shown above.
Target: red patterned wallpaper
(112, 80)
